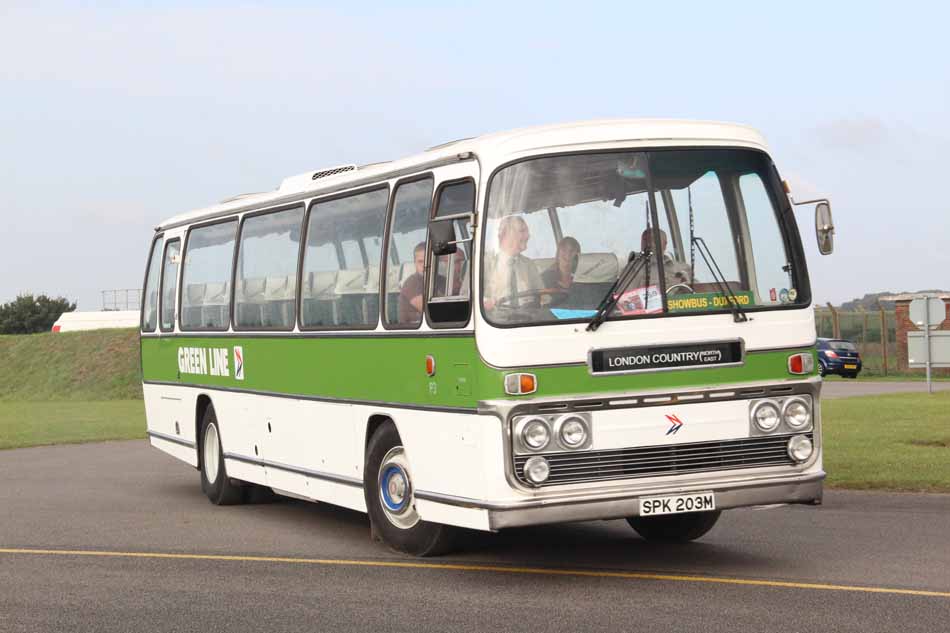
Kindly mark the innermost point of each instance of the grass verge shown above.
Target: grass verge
(38, 423)
(85, 366)
(889, 442)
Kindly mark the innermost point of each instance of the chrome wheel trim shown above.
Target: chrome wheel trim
(211, 452)
(395, 489)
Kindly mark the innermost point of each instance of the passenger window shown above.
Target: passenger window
(206, 287)
(339, 289)
(150, 298)
(265, 288)
(405, 274)
(170, 283)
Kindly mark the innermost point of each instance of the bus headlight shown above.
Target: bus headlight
(537, 470)
(800, 448)
(765, 416)
(571, 431)
(796, 413)
(536, 434)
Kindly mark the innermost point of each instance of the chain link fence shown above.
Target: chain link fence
(874, 334)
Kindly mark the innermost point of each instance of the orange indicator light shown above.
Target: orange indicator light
(430, 365)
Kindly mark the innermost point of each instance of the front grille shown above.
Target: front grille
(651, 461)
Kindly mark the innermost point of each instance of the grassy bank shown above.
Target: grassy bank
(84, 366)
(893, 442)
(37, 423)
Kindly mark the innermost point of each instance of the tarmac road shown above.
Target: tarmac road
(861, 562)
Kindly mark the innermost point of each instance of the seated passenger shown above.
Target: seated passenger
(675, 271)
(560, 275)
(511, 279)
(410, 295)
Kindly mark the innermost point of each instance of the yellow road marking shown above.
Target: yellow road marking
(629, 575)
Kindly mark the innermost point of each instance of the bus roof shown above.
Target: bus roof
(490, 149)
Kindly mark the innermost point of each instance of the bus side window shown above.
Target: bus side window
(150, 296)
(206, 277)
(406, 255)
(265, 286)
(340, 282)
(170, 284)
(450, 282)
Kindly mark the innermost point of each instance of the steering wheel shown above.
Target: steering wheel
(505, 302)
(686, 287)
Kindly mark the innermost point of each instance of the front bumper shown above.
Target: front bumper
(804, 488)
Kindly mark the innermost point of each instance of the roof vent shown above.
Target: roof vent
(304, 181)
(332, 171)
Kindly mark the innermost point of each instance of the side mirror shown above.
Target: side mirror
(442, 237)
(824, 228)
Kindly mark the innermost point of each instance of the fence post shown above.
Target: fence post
(835, 324)
(884, 338)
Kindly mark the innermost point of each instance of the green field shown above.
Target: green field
(893, 442)
(37, 423)
(70, 387)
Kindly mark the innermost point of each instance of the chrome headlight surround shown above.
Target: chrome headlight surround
(567, 425)
(555, 424)
(762, 405)
(788, 414)
(527, 430)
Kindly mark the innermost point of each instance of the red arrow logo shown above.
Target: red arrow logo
(676, 422)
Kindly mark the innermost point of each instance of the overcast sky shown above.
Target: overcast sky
(116, 117)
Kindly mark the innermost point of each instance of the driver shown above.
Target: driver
(511, 278)
(675, 271)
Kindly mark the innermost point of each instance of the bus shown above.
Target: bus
(596, 320)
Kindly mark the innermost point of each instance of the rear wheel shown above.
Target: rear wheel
(822, 370)
(214, 478)
(388, 488)
(674, 528)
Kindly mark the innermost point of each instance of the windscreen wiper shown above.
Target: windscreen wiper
(634, 265)
(738, 314)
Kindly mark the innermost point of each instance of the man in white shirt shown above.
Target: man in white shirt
(511, 279)
(675, 272)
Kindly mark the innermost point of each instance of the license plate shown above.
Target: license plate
(698, 502)
(850, 366)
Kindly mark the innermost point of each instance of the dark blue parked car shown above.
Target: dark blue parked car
(838, 357)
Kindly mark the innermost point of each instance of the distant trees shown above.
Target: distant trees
(28, 314)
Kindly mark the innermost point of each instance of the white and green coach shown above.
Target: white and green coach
(585, 321)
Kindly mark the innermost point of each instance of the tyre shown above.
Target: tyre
(674, 528)
(822, 370)
(387, 486)
(215, 483)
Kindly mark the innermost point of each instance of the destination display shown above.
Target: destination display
(627, 359)
(701, 301)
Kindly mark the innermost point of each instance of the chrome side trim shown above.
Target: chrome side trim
(316, 474)
(295, 396)
(170, 438)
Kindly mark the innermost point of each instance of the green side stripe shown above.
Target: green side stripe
(393, 369)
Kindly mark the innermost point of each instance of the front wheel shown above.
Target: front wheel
(822, 370)
(388, 489)
(674, 528)
(214, 478)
